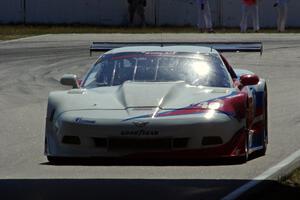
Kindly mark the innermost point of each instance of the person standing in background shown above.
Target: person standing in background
(204, 13)
(282, 9)
(137, 7)
(250, 7)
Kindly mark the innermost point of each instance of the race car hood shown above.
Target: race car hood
(165, 95)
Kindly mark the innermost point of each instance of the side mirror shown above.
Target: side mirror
(69, 79)
(249, 79)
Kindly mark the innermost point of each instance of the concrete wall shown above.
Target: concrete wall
(109, 12)
(11, 11)
(183, 12)
(225, 13)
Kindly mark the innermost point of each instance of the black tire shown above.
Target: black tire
(263, 151)
(56, 160)
(245, 158)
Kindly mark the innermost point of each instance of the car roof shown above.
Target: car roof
(178, 48)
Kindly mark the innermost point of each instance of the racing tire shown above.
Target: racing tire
(56, 160)
(263, 151)
(245, 157)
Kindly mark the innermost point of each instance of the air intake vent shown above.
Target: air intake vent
(139, 144)
(213, 140)
(180, 142)
(71, 140)
(100, 142)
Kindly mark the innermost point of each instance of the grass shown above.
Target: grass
(293, 180)
(16, 31)
(8, 32)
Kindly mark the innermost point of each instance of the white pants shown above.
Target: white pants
(246, 10)
(282, 16)
(204, 14)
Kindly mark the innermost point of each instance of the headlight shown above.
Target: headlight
(210, 114)
(215, 105)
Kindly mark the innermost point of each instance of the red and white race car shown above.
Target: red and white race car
(174, 100)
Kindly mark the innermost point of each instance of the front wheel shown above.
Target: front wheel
(245, 157)
(262, 152)
(56, 160)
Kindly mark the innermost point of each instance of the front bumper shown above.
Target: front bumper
(190, 136)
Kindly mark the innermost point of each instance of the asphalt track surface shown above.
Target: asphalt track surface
(30, 68)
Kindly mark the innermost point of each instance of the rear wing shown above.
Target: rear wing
(219, 46)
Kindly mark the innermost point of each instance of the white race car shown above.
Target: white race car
(159, 101)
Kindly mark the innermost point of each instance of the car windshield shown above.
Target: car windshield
(194, 69)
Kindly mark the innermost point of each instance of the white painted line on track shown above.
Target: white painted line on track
(265, 175)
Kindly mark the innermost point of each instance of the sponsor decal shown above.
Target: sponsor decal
(140, 133)
(84, 121)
